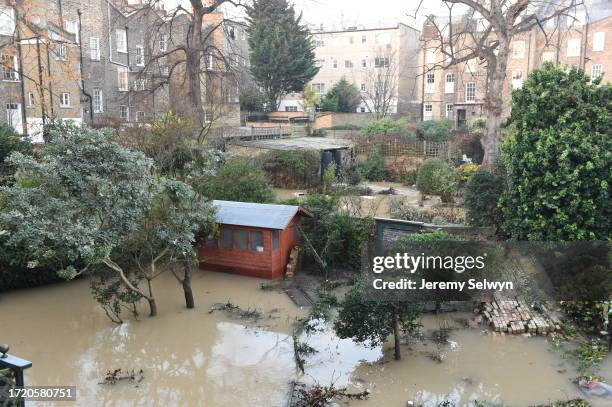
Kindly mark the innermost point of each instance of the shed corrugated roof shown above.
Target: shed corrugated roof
(267, 216)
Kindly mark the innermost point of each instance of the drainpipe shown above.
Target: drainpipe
(49, 78)
(91, 113)
(40, 82)
(24, 117)
(585, 40)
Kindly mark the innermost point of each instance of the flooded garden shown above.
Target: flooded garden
(214, 357)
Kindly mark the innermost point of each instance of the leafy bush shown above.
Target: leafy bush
(9, 143)
(239, 180)
(436, 130)
(466, 171)
(342, 97)
(399, 209)
(558, 158)
(388, 127)
(374, 168)
(436, 177)
(481, 199)
(291, 169)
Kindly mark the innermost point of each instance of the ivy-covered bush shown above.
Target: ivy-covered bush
(436, 130)
(436, 177)
(481, 197)
(466, 171)
(291, 169)
(10, 141)
(240, 179)
(559, 158)
(374, 167)
(389, 127)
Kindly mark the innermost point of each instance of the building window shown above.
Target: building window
(232, 33)
(240, 238)
(163, 42)
(7, 20)
(427, 111)
(363, 87)
(470, 92)
(362, 109)
(65, 99)
(124, 112)
(275, 239)
(141, 116)
(364, 39)
(94, 48)
(449, 110)
(599, 39)
(348, 64)
(573, 47)
(209, 61)
(121, 39)
(596, 71)
(291, 109)
(31, 99)
(319, 88)
(140, 84)
(208, 116)
(430, 80)
(449, 83)
(73, 28)
(122, 78)
(518, 49)
(364, 63)
(335, 63)
(381, 62)
(10, 68)
(320, 43)
(256, 242)
(97, 101)
(430, 56)
(226, 238)
(548, 56)
(517, 79)
(139, 55)
(13, 116)
(62, 54)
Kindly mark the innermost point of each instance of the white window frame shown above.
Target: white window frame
(123, 79)
(427, 111)
(364, 39)
(517, 79)
(450, 108)
(65, 100)
(141, 116)
(596, 71)
(518, 51)
(62, 51)
(382, 62)
(449, 85)
(470, 90)
(209, 61)
(335, 63)
(139, 55)
(163, 42)
(573, 47)
(364, 63)
(140, 84)
(125, 108)
(430, 82)
(10, 74)
(13, 110)
(348, 64)
(318, 88)
(599, 40)
(363, 87)
(208, 116)
(94, 48)
(31, 99)
(7, 20)
(121, 40)
(98, 107)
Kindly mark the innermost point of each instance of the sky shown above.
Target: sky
(336, 14)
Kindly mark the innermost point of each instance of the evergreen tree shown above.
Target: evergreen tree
(342, 97)
(282, 50)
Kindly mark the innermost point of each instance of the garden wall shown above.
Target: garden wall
(326, 120)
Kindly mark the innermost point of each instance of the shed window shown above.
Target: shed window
(226, 238)
(240, 239)
(275, 239)
(256, 241)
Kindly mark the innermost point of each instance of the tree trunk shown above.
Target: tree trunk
(494, 104)
(396, 332)
(189, 302)
(152, 307)
(193, 62)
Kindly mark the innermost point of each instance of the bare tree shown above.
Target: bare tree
(486, 33)
(382, 79)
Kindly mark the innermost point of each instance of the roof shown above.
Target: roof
(298, 143)
(267, 216)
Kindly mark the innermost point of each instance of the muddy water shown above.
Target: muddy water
(194, 358)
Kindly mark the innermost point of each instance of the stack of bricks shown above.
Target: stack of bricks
(516, 317)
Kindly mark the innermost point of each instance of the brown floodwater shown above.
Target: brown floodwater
(197, 358)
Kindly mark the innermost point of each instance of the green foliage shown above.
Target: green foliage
(589, 355)
(374, 167)
(342, 97)
(287, 169)
(329, 177)
(310, 99)
(436, 177)
(481, 197)
(400, 209)
(588, 315)
(281, 49)
(10, 142)
(558, 159)
(388, 127)
(436, 130)
(239, 179)
(252, 99)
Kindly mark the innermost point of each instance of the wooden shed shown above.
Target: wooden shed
(254, 240)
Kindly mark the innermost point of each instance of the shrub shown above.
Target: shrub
(436, 177)
(399, 209)
(374, 168)
(466, 171)
(239, 180)
(436, 130)
(558, 158)
(342, 97)
(10, 142)
(388, 127)
(481, 199)
(291, 169)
